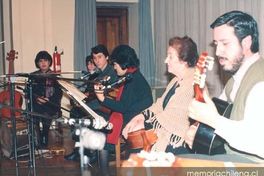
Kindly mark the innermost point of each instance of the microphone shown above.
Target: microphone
(88, 123)
(94, 140)
(104, 80)
(119, 81)
(88, 74)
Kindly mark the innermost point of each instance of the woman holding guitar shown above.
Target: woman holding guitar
(133, 96)
(169, 115)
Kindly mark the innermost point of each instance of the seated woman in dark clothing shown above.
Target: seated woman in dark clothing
(168, 117)
(46, 97)
(133, 96)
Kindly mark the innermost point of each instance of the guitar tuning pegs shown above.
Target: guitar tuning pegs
(210, 62)
(11, 55)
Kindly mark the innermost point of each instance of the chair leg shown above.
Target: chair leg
(118, 153)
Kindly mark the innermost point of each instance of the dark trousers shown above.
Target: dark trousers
(42, 134)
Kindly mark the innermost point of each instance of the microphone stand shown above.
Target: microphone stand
(83, 159)
(13, 119)
(31, 131)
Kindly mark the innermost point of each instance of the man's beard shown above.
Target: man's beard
(236, 65)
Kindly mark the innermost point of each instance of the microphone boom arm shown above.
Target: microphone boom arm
(73, 92)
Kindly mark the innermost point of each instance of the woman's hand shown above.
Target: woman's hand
(42, 100)
(135, 124)
(190, 135)
(99, 92)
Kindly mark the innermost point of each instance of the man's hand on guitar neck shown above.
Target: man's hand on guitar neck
(204, 112)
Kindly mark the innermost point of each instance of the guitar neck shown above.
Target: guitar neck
(204, 63)
(11, 67)
(198, 93)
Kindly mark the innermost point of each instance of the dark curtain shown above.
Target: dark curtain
(84, 31)
(146, 51)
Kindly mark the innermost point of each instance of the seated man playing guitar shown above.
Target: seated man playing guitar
(97, 60)
(168, 117)
(235, 37)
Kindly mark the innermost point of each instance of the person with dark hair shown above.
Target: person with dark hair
(99, 57)
(124, 57)
(77, 112)
(46, 97)
(100, 48)
(92, 69)
(133, 96)
(90, 65)
(45, 56)
(107, 75)
(169, 115)
(236, 38)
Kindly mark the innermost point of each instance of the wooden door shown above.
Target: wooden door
(112, 27)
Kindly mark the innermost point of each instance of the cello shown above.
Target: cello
(5, 96)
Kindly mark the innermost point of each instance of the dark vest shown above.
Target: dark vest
(254, 74)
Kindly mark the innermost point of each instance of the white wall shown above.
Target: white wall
(44, 24)
(41, 25)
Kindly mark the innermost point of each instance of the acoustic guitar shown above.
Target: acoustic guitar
(142, 139)
(206, 141)
(5, 97)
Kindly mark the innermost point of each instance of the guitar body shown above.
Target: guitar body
(142, 139)
(5, 95)
(206, 141)
(5, 99)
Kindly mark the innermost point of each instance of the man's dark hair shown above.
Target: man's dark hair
(43, 55)
(125, 56)
(100, 49)
(244, 25)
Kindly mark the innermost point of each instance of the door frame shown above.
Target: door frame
(113, 13)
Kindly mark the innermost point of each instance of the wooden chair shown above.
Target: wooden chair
(119, 151)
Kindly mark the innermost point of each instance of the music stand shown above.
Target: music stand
(31, 131)
(98, 122)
